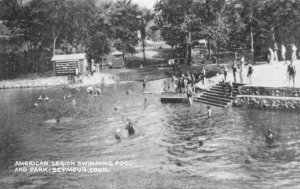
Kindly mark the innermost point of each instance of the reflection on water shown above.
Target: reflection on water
(166, 139)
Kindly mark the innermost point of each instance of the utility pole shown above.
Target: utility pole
(251, 33)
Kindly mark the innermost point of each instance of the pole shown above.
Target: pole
(251, 33)
(252, 45)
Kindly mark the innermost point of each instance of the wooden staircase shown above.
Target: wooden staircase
(215, 95)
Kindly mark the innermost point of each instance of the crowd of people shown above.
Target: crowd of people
(239, 71)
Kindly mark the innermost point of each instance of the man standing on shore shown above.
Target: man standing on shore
(234, 70)
(291, 71)
(283, 51)
(275, 52)
(250, 71)
(294, 55)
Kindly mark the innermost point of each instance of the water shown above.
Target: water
(163, 153)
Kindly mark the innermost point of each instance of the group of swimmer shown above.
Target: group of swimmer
(41, 99)
(96, 91)
(129, 126)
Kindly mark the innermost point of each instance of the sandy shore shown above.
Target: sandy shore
(97, 78)
(264, 75)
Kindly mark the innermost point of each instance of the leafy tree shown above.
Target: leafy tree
(123, 20)
(145, 18)
(184, 22)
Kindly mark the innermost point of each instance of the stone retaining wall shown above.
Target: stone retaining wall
(267, 102)
(270, 91)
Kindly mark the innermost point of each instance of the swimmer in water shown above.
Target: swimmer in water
(269, 138)
(208, 112)
(69, 95)
(200, 141)
(58, 119)
(129, 126)
(90, 90)
(117, 134)
(46, 98)
(40, 97)
(98, 91)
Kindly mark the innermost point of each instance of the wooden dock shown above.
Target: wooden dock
(173, 97)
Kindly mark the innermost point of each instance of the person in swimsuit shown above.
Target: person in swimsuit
(230, 88)
(144, 83)
(225, 73)
(291, 71)
(208, 112)
(269, 137)
(234, 70)
(189, 95)
(249, 75)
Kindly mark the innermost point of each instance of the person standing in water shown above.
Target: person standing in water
(189, 93)
(269, 137)
(208, 112)
(145, 83)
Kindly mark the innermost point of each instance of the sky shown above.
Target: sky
(145, 3)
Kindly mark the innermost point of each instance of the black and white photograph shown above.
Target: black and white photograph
(149, 94)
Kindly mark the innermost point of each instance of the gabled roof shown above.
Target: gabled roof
(117, 53)
(65, 57)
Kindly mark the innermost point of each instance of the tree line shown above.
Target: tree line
(229, 24)
(40, 27)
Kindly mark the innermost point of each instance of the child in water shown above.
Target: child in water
(269, 138)
(208, 112)
(129, 126)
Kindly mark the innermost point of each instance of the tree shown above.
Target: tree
(184, 22)
(145, 18)
(123, 20)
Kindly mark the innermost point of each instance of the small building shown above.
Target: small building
(116, 58)
(66, 64)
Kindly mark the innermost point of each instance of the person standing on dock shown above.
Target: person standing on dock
(189, 93)
(175, 82)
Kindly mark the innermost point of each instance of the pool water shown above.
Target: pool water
(163, 153)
